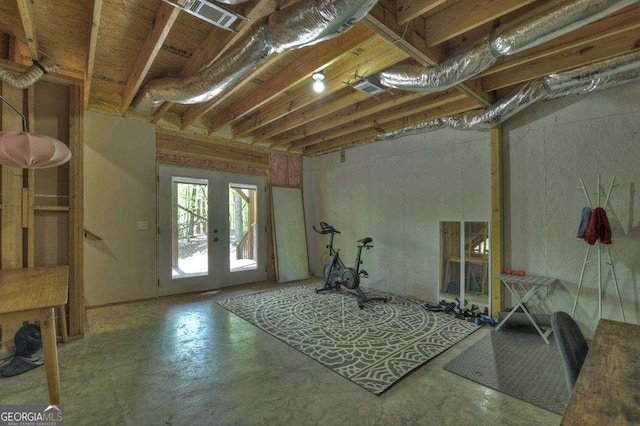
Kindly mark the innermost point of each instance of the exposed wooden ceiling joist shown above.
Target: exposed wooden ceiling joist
(215, 44)
(384, 21)
(165, 18)
(304, 62)
(604, 28)
(273, 106)
(408, 10)
(585, 53)
(374, 56)
(396, 112)
(29, 28)
(367, 135)
(466, 16)
(96, 13)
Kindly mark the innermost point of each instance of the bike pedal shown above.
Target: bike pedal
(364, 274)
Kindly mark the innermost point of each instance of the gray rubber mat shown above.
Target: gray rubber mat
(517, 363)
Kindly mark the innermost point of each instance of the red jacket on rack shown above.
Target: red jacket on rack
(598, 227)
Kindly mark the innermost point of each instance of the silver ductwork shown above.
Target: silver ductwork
(301, 24)
(28, 78)
(557, 18)
(598, 76)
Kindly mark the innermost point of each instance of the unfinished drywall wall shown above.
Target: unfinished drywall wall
(547, 149)
(397, 192)
(120, 191)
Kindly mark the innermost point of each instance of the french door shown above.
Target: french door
(211, 229)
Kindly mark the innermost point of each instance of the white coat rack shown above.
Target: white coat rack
(586, 257)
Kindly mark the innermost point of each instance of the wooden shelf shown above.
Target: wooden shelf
(52, 208)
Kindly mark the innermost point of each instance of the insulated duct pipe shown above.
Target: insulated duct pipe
(30, 76)
(598, 76)
(302, 24)
(558, 18)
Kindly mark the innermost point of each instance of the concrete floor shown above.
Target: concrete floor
(186, 361)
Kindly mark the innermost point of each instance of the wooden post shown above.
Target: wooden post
(76, 212)
(31, 219)
(497, 254)
(12, 187)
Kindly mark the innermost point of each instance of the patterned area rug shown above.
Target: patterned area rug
(516, 362)
(373, 347)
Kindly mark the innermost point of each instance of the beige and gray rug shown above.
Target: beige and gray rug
(373, 347)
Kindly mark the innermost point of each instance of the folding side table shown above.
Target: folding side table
(523, 288)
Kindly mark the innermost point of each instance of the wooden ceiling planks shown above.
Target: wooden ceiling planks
(133, 42)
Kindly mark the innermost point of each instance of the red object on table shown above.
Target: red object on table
(519, 272)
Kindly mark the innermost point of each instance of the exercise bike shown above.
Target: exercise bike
(336, 275)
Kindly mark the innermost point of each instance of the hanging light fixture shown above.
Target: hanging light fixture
(318, 85)
(30, 150)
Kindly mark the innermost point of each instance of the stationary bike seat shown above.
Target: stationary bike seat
(366, 240)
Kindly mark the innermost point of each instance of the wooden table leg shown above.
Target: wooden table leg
(62, 318)
(50, 350)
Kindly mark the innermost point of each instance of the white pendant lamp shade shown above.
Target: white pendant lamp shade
(32, 150)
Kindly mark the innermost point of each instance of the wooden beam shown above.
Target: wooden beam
(465, 16)
(628, 20)
(12, 241)
(580, 55)
(215, 44)
(63, 77)
(165, 18)
(76, 213)
(301, 65)
(325, 106)
(409, 10)
(384, 22)
(365, 108)
(197, 111)
(497, 208)
(96, 14)
(414, 109)
(199, 147)
(31, 189)
(367, 134)
(374, 56)
(24, 6)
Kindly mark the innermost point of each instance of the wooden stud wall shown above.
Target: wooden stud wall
(76, 212)
(13, 216)
(497, 261)
(12, 252)
(19, 233)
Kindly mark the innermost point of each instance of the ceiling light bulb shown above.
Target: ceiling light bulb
(318, 85)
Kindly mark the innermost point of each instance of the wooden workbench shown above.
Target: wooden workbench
(38, 290)
(607, 389)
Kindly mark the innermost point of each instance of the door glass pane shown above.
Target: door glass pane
(190, 233)
(243, 227)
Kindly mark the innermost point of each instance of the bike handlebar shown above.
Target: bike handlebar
(326, 229)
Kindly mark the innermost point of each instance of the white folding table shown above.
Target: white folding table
(523, 288)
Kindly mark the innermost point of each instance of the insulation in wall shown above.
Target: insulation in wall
(286, 170)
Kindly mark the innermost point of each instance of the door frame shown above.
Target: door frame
(219, 274)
